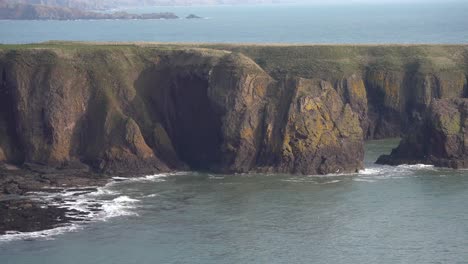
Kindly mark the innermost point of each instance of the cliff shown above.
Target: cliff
(388, 86)
(236, 108)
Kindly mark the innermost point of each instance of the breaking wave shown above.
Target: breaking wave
(382, 172)
(85, 205)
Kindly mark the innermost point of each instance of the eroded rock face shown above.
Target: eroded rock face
(389, 101)
(321, 134)
(146, 111)
(441, 138)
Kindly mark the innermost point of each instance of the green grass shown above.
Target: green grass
(321, 61)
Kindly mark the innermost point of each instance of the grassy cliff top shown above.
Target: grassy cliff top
(306, 60)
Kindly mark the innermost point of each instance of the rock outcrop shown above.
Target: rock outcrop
(144, 110)
(441, 138)
(320, 134)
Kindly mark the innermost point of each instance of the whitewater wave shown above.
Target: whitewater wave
(148, 178)
(310, 179)
(120, 206)
(85, 205)
(416, 166)
(370, 171)
(382, 172)
(215, 177)
(48, 234)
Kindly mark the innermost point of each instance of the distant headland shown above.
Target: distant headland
(21, 11)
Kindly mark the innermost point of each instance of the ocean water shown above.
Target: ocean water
(444, 22)
(404, 214)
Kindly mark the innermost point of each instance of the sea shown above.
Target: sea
(382, 214)
(442, 22)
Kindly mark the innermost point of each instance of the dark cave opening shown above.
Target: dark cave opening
(8, 121)
(194, 126)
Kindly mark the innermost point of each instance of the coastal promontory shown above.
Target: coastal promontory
(117, 109)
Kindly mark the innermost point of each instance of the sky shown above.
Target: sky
(369, 1)
(373, 1)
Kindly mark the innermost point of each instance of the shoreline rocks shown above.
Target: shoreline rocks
(440, 139)
(20, 212)
(26, 215)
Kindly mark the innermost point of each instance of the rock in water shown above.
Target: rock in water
(192, 16)
(440, 139)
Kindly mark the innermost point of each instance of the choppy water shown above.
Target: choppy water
(443, 22)
(404, 214)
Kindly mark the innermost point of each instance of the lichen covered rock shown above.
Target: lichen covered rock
(441, 138)
(322, 134)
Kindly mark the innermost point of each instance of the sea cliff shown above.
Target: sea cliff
(144, 108)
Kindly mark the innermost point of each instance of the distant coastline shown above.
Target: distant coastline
(108, 5)
(43, 12)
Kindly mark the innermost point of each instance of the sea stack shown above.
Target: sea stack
(440, 139)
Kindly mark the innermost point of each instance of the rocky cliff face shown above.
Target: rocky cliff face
(388, 86)
(127, 108)
(146, 110)
(440, 138)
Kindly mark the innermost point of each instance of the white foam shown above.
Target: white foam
(385, 172)
(100, 205)
(44, 234)
(120, 178)
(309, 180)
(329, 182)
(148, 178)
(125, 199)
(371, 171)
(363, 179)
(215, 177)
(416, 166)
(156, 177)
(120, 206)
(292, 180)
(103, 191)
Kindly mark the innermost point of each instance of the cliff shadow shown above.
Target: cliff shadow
(384, 121)
(178, 100)
(10, 141)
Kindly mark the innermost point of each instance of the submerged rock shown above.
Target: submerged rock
(192, 16)
(440, 139)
